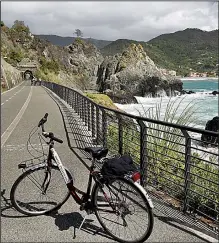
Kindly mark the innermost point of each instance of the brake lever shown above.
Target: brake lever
(43, 120)
(45, 134)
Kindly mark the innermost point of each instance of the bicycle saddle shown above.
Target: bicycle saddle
(97, 152)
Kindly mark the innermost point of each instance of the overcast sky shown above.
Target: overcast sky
(112, 20)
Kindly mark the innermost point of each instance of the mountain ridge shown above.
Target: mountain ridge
(191, 49)
(67, 40)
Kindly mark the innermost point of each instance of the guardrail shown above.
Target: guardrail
(172, 159)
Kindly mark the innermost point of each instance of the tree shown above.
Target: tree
(2, 23)
(78, 33)
(20, 26)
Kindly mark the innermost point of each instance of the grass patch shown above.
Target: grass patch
(3, 89)
(48, 76)
(102, 99)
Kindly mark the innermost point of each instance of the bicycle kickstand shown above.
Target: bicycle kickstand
(82, 221)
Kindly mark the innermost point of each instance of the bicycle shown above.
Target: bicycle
(123, 199)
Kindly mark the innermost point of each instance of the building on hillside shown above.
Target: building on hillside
(168, 72)
(172, 73)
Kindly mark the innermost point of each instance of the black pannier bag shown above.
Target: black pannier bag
(118, 167)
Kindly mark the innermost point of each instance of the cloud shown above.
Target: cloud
(112, 20)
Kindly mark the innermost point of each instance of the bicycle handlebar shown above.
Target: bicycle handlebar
(51, 136)
(48, 134)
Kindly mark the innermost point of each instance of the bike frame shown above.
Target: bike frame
(53, 155)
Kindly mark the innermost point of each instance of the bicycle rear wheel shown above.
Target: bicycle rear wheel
(27, 195)
(123, 211)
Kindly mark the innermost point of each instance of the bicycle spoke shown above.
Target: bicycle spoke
(131, 218)
(30, 199)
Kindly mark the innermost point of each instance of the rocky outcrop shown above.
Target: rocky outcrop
(84, 58)
(10, 76)
(211, 125)
(133, 73)
(75, 65)
(187, 92)
(215, 92)
(80, 59)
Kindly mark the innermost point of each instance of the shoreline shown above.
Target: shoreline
(199, 79)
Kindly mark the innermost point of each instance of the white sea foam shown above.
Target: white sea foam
(206, 109)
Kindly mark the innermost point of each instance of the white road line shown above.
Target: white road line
(12, 126)
(19, 147)
(13, 96)
(11, 89)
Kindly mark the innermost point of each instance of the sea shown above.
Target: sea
(205, 106)
(205, 103)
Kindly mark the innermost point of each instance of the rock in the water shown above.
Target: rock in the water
(133, 73)
(187, 92)
(215, 92)
(211, 125)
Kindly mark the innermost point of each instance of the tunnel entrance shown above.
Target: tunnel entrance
(28, 75)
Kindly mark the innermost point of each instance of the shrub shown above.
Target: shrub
(101, 99)
(48, 76)
(49, 66)
(79, 41)
(15, 56)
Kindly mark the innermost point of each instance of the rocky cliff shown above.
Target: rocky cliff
(77, 63)
(10, 76)
(74, 65)
(81, 66)
(133, 73)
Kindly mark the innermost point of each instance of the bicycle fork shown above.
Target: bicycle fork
(46, 181)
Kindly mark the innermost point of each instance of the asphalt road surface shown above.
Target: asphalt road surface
(16, 227)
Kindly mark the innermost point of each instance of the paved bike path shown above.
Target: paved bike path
(11, 103)
(60, 227)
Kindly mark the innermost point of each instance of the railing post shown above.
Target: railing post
(92, 121)
(187, 168)
(76, 103)
(97, 125)
(143, 152)
(82, 109)
(62, 91)
(67, 94)
(85, 111)
(73, 99)
(120, 134)
(88, 114)
(104, 128)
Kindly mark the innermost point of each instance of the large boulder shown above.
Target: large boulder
(133, 73)
(211, 125)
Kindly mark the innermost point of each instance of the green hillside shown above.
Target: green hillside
(183, 50)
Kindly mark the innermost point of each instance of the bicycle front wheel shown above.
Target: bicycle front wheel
(28, 196)
(123, 211)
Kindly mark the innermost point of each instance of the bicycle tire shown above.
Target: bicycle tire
(31, 206)
(141, 198)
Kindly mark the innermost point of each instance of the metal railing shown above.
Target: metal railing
(174, 164)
